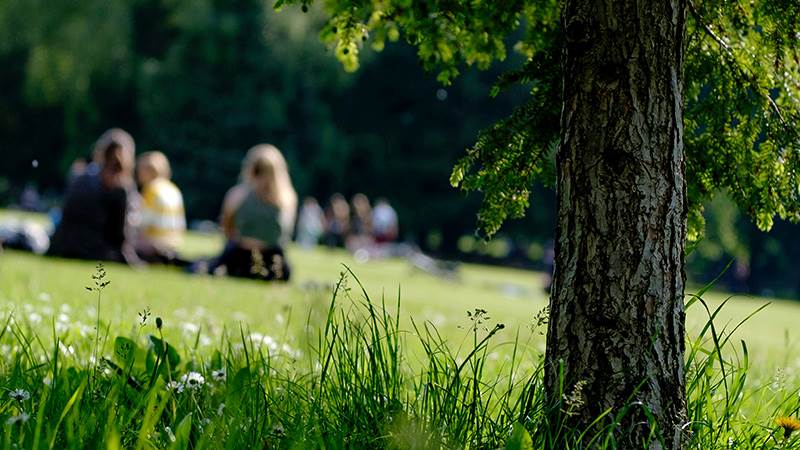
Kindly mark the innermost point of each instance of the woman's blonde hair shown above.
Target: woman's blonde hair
(114, 137)
(158, 162)
(265, 161)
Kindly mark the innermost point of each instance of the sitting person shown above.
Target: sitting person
(258, 217)
(360, 236)
(310, 223)
(162, 222)
(384, 222)
(337, 221)
(99, 206)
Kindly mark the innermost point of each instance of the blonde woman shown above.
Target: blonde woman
(162, 221)
(258, 217)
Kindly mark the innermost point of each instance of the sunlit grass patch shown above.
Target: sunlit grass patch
(252, 364)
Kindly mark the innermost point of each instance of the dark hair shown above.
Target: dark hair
(111, 157)
(261, 167)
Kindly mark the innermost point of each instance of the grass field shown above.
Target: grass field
(510, 296)
(204, 318)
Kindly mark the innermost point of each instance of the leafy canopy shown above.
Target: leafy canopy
(742, 93)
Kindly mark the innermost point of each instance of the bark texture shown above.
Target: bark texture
(616, 334)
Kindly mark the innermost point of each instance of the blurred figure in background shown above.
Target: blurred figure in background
(384, 222)
(100, 206)
(310, 223)
(258, 218)
(162, 222)
(360, 236)
(361, 222)
(337, 221)
(76, 169)
(30, 200)
(121, 138)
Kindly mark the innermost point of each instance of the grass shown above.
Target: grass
(319, 363)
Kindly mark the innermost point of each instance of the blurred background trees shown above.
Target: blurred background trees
(203, 81)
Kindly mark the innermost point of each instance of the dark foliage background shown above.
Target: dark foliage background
(205, 80)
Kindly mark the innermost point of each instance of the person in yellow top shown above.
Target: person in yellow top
(162, 220)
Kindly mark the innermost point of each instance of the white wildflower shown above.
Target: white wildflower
(85, 330)
(175, 386)
(170, 434)
(44, 297)
(285, 348)
(34, 317)
(22, 417)
(271, 343)
(221, 409)
(190, 328)
(218, 375)
(193, 380)
(19, 395)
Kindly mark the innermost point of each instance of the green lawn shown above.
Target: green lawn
(281, 333)
(38, 285)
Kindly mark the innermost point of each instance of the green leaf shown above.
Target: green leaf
(172, 355)
(74, 398)
(216, 360)
(124, 351)
(237, 387)
(182, 433)
(150, 360)
(520, 439)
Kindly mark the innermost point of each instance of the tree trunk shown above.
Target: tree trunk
(616, 334)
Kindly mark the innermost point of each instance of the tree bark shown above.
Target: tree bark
(616, 334)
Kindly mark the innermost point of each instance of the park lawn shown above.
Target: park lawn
(198, 309)
(38, 285)
(511, 297)
(213, 321)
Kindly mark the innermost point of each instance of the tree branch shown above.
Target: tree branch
(737, 69)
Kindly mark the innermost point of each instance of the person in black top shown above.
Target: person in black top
(99, 205)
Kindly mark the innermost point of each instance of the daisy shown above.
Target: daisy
(218, 375)
(22, 417)
(175, 386)
(19, 395)
(193, 380)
